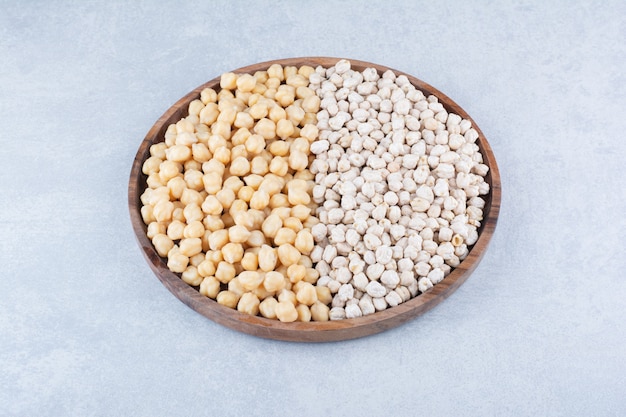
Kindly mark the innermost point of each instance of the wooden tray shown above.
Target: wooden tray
(311, 331)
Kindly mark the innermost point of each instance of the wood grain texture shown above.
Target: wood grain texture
(312, 331)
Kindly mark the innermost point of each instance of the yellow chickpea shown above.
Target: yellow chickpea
(238, 234)
(256, 239)
(227, 298)
(304, 241)
(206, 268)
(163, 244)
(210, 287)
(279, 166)
(298, 161)
(296, 273)
(240, 166)
(194, 229)
(288, 254)
(259, 166)
(278, 201)
(274, 281)
(250, 280)
(260, 199)
(225, 272)
(177, 262)
(250, 261)
(267, 258)
(320, 312)
(218, 239)
(284, 129)
(225, 197)
(284, 235)
(212, 206)
(267, 307)
(286, 312)
(213, 223)
(190, 276)
(233, 183)
(271, 225)
(232, 252)
(266, 128)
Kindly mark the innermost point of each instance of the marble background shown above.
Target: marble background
(86, 329)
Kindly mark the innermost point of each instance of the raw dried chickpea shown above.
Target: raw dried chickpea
(320, 311)
(267, 307)
(304, 313)
(286, 311)
(232, 252)
(191, 276)
(210, 287)
(225, 272)
(250, 261)
(227, 298)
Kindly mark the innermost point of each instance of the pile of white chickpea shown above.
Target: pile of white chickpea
(301, 193)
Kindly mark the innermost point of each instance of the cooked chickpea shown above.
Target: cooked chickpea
(249, 304)
(212, 182)
(304, 313)
(284, 129)
(193, 179)
(162, 211)
(233, 183)
(190, 246)
(279, 148)
(274, 281)
(256, 239)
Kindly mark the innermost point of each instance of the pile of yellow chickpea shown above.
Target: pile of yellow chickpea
(228, 198)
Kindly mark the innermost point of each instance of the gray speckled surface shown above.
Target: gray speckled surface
(85, 327)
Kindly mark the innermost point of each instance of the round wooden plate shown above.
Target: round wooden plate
(311, 331)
